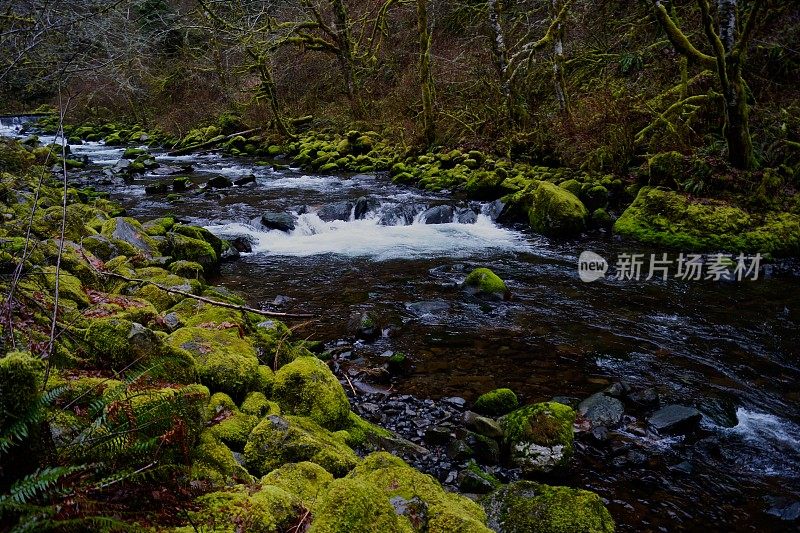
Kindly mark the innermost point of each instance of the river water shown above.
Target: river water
(728, 348)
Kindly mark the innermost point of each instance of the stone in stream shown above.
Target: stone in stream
(482, 425)
(442, 214)
(337, 211)
(156, 188)
(601, 410)
(494, 209)
(432, 308)
(364, 205)
(466, 216)
(181, 184)
(168, 170)
(243, 243)
(279, 221)
(647, 397)
(675, 419)
(438, 434)
(245, 180)
(218, 182)
(540, 436)
(471, 482)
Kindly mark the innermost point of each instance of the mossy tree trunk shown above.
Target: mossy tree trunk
(426, 73)
(346, 55)
(729, 50)
(268, 89)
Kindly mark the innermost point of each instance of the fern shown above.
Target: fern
(19, 430)
(36, 485)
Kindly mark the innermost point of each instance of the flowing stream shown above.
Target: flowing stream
(728, 348)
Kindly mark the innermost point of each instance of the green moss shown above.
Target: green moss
(571, 185)
(446, 511)
(485, 185)
(258, 405)
(361, 433)
(161, 299)
(666, 169)
(69, 287)
(305, 480)
(108, 342)
(555, 211)
(195, 313)
(20, 382)
(181, 247)
(158, 227)
(200, 234)
(234, 430)
(128, 235)
(540, 436)
(528, 507)
(601, 218)
(213, 461)
(486, 281)
(278, 440)
(307, 387)
(265, 379)
(350, 506)
(225, 361)
(156, 411)
(671, 219)
(238, 508)
(187, 269)
(497, 402)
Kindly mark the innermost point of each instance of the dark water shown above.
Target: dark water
(728, 348)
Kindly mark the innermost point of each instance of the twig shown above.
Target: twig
(209, 300)
(212, 142)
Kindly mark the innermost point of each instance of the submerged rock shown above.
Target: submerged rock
(279, 221)
(485, 282)
(337, 211)
(675, 419)
(365, 205)
(442, 214)
(601, 410)
(528, 507)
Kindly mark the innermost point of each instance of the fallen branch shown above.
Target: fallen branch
(212, 142)
(209, 300)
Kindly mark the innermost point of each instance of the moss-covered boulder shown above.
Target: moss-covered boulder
(307, 387)
(485, 185)
(668, 218)
(556, 212)
(528, 507)
(69, 287)
(181, 247)
(225, 361)
(441, 511)
(305, 480)
(258, 405)
(278, 440)
(129, 237)
(496, 403)
(20, 383)
(351, 506)
(485, 282)
(213, 461)
(240, 508)
(540, 436)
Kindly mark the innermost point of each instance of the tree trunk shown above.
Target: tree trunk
(425, 73)
(501, 60)
(346, 55)
(270, 90)
(727, 23)
(558, 60)
(737, 119)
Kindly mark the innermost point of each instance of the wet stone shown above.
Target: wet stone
(675, 419)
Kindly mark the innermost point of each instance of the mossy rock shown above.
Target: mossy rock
(193, 312)
(159, 227)
(181, 247)
(554, 211)
(485, 185)
(213, 461)
(160, 298)
(307, 387)
(305, 480)
(278, 440)
(540, 436)
(21, 377)
(601, 218)
(351, 506)
(446, 512)
(528, 507)
(667, 169)
(257, 404)
(234, 430)
(187, 269)
(69, 287)
(496, 403)
(363, 434)
(240, 508)
(225, 361)
(486, 282)
(129, 237)
(202, 234)
(667, 218)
